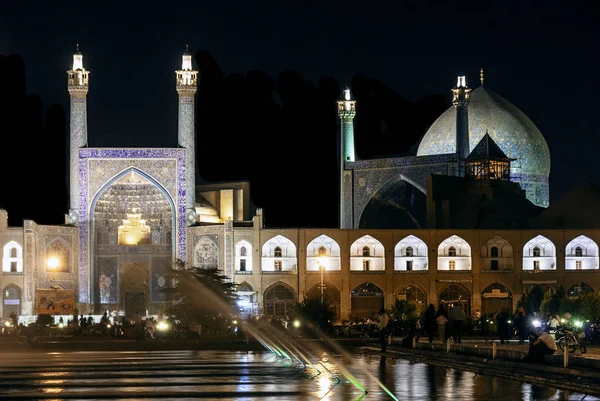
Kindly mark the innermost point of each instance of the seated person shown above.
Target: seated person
(543, 345)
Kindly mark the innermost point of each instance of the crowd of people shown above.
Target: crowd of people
(447, 323)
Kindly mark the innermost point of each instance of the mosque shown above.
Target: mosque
(404, 228)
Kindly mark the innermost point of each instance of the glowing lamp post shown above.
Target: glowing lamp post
(321, 269)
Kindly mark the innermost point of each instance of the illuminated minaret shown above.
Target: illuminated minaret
(187, 80)
(460, 100)
(346, 111)
(78, 84)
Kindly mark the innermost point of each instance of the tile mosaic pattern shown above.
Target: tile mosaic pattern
(186, 140)
(77, 141)
(373, 176)
(509, 127)
(98, 167)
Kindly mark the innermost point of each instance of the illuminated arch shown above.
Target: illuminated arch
(279, 254)
(410, 254)
(12, 258)
(367, 254)
(539, 254)
(581, 253)
(454, 253)
(243, 257)
(314, 254)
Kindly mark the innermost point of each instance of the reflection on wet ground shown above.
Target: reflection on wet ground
(239, 375)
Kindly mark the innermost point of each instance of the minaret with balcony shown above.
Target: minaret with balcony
(187, 82)
(460, 100)
(78, 85)
(347, 112)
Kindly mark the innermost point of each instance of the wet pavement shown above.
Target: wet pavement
(248, 375)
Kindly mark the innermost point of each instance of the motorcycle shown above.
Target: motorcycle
(568, 339)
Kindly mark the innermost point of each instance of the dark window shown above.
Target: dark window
(366, 265)
(366, 251)
(277, 252)
(243, 251)
(243, 265)
(578, 251)
(494, 252)
(536, 251)
(452, 251)
(494, 265)
(408, 265)
(409, 251)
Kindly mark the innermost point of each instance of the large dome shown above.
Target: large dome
(509, 127)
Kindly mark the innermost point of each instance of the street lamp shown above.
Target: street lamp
(321, 269)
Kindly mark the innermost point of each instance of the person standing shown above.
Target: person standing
(520, 324)
(429, 322)
(441, 318)
(503, 326)
(382, 323)
(553, 323)
(457, 317)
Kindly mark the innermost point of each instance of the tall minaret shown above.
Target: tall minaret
(78, 84)
(346, 111)
(460, 100)
(187, 80)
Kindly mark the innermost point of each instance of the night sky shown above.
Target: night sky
(541, 57)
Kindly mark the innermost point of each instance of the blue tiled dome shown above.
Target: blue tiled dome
(512, 131)
(508, 126)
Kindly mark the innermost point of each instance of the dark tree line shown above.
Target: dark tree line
(280, 134)
(33, 161)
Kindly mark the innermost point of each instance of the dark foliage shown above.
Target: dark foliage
(314, 314)
(201, 296)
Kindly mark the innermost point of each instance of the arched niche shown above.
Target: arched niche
(279, 299)
(366, 298)
(497, 254)
(581, 253)
(331, 297)
(413, 293)
(323, 252)
(539, 254)
(455, 293)
(454, 253)
(367, 254)
(496, 297)
(410, 254)
(243, 257)
(279, 255)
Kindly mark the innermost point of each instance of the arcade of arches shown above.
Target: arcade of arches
(367, 298)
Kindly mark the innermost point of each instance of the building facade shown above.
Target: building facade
(135, 211)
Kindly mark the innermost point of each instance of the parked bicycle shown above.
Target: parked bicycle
(571, 340)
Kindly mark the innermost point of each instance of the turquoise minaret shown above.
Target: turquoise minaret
(78, 85)
(460, 100)
(187, 81)
(346, 111)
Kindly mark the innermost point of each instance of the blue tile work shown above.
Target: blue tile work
(108, 280)
(97, 167)
(229, 254)
(509, 127)
(372, 176)
(186, 140)
(158, 277)
(78, 140)
(346, 200)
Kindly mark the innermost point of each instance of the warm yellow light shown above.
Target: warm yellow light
(321, 262)
(53, 262)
